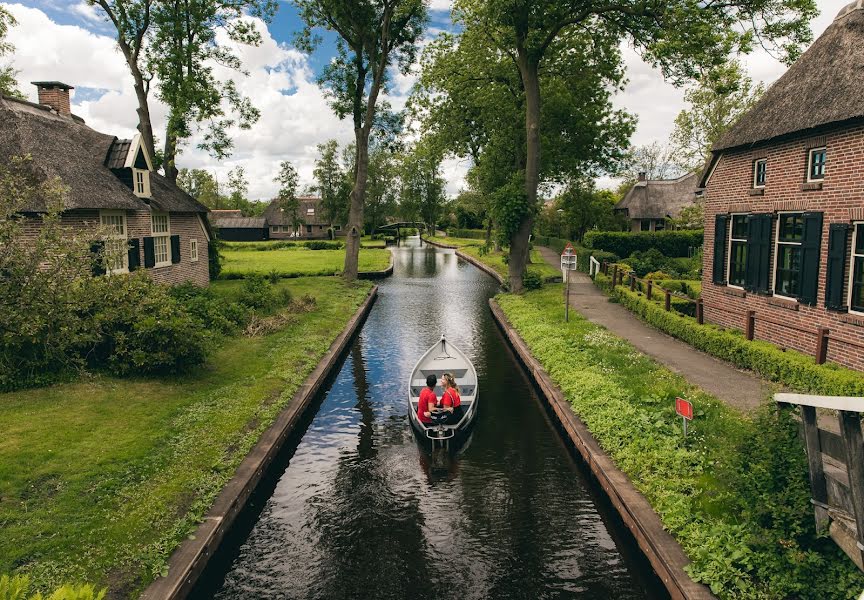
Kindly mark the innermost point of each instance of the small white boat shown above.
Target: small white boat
(442, 358)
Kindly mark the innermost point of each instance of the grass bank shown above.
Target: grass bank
(496, 261)
(299, 262)
(455, 242)
(100, 480)
(735, 494)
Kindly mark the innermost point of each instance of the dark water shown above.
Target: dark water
(357, 513)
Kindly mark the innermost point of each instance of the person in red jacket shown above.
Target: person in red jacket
(428, 401)
(450, 399)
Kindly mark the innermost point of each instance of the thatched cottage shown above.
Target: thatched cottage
(308, 224)
(784, 206)
(112, 187)
(651, 202)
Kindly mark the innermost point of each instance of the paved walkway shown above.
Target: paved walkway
(740, 389)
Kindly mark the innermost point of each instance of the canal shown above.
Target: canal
(353, 510)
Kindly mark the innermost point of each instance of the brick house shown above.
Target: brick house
(112, 187)
(310, 213)
(651, 202)
(784, 206)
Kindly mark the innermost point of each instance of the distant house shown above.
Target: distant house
(784, 207)
(651, 202)
(239, 229)
(112, 186)
(274, 224)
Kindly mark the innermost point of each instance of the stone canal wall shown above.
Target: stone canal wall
(470, 259)
(190, 559)
(663, 552)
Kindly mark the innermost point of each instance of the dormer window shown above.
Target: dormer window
(142, 183)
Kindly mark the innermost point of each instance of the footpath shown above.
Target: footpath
(737, 388)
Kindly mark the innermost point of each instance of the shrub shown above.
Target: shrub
(532, 280)
(18, 588)
(257, 292)
(214, 259)
(623, 243)
(210, 311)
(322, 245)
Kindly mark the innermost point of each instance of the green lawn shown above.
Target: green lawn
(365, 242)
(299, 262)
(451, 241)
(101, 479)
(496, 261)
(735, 493)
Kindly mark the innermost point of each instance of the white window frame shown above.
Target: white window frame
(777, 244)
(756, 163)
(810, 153)
(310, 212)
(158, 235)
(337, 228)
(193, 250)
(141, 187)
(729, 241)
(113, 237)
(274, 229)
(852, 255)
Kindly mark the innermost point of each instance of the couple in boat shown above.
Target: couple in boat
(432, 410)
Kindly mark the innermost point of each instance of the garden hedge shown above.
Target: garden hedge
(470, 234)
(625, 243)
(793, 369)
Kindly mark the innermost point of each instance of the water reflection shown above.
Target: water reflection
(358, 513)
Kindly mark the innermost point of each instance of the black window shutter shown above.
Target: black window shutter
(149, 253)
(175, 249)
(97, 250)
(721, 230)
(838, 249)
(134, 254)
(758, 270)
(811, 251)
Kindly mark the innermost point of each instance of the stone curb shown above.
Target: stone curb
(379, 274)
(662, 550)
(192, 556)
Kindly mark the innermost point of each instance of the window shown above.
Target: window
(856, 277)
(274, 229)
(310, 212)
(660, 225)
(645, 225)
(760, 170)
(308, 229)
(816, 164)
(116, 249)
(737, 267)
(161, 225)
(337, 228)
(790, 233)
(141, 183)
(193, 250)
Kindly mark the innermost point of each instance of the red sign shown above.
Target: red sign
(684, 408)
(568, 249)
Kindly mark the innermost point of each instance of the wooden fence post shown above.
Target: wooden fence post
(614, 276)
(850, 429)
(818, 485)
(668, 300)
(650, 289)
(700, 311)
(821, 345)
(632, 282)
(750, 325)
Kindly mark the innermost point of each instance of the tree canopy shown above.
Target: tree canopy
(8, 85)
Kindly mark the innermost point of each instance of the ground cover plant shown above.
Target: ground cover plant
(100, 479)
(538, 270)
(298, 262)
(735, 494)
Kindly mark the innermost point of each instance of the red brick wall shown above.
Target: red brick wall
(787, 323)
(186, 225)
(56, 98)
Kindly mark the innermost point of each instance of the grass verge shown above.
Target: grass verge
(496, 261)
(735, 493)
(299, 262)
(100, 480)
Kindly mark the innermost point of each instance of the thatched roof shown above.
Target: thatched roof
(659, 198)
(64, 147)
(220, 213)
(822, 87)
(241, 223)
(275, 216)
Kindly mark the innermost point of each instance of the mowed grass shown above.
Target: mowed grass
(299, 262)
(496, 261)
(451, 241)
(100, 480)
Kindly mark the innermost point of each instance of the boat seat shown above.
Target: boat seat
(465, 390)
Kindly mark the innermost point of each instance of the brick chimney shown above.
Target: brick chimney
(55, 95)
(643, 176)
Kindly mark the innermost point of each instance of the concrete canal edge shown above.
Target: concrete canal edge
(379, 274)
(664, 553)
(192, 556)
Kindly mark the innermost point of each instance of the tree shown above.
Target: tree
(682, 37)
(289, 181)
(201, 185)
(382, 191)
(238, 188)
(374, 35)
(422, 186)
(655, 161)
(8, 85)
(330, 181)
(585, 208)
(716, 103)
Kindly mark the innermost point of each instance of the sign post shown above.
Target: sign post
(684, 408)
(569, 262)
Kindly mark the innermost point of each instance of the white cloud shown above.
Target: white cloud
(441, 5)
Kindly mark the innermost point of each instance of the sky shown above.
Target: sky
(69, 41)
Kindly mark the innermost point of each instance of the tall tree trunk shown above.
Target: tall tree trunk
(145, 125)
(355, 213)
(519, 240)
(169, 163)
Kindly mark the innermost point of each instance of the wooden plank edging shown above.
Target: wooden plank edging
(662, 550)
(189, 560)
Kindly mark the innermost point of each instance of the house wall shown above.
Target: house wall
(186, 225)
(242, 234)
(319, 232)
(788, 323)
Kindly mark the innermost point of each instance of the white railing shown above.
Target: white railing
(593, 266)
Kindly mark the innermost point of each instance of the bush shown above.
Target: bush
(214, 259)
(18, 588)
(322, 245)
(790, 368)
(623, 243)
(532, 280)
(257, 292)
(210, 311)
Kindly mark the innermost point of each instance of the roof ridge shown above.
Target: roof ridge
(849, 9)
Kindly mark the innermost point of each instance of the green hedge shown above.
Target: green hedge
(583, 254)
(793, 369)
(623, 243)
(470, 234)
